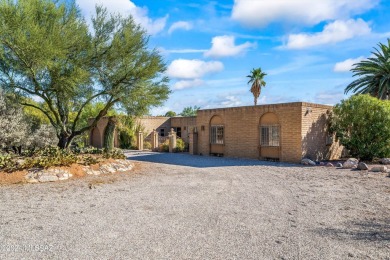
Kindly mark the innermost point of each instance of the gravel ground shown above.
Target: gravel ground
(178, 206)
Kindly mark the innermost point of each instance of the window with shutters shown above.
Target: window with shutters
(270, 135)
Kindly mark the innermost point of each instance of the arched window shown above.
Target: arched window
(269, 130)
(216, 130)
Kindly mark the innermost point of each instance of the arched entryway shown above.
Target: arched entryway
(96, 138)
(269, 132)
(217, 136)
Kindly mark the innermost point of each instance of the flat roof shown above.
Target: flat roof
(292, 104)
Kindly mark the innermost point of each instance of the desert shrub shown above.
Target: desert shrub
(181, 146)
(126, 139)
(164, 147)
(91, 150)
(88, 160)
(147, 145)
(362, 124)
(7, 163)
(114, 154)
(50, 156)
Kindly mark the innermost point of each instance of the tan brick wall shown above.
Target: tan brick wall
(186, 124)
(242, 134)
(154, 122)
(315, 133)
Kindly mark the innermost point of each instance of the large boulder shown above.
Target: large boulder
(351, 163)
(379, 169)
(362, 166)
(307, 161)
(385, 161)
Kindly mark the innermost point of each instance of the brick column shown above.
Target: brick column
(193, 143)
(154, 140)
(172, 141)
(140, 141)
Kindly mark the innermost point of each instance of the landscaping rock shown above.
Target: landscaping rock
(117, 166)
(379, 169)
(329, 164)
(339, 165)
(362, 166)
(351, 163)
(385, 161)
(308, 162)
(322, 164)
(64, 176)
(47, 178)
(40, 175)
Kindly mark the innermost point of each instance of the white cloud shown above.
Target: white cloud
(336, 31)
(345, 66)
(224, 46)
(182, 84)
(230, 101)
(192, 69)
(180, 25)
(329, 98)
(310, 12)
(124, 7)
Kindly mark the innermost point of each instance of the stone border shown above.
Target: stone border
(37, 175)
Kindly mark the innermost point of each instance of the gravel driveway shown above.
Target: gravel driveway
(178, 206)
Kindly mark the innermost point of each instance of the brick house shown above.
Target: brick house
(285, 132)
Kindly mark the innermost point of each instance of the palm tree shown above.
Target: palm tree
(374, 74)
(257, 79)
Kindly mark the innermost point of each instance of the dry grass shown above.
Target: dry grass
(12, 178)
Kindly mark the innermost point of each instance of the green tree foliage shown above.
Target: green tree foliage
(190, 111)
(48, 53)
(256, 78)
(373, 73)
(126, 128)
(362, 124)
(170, 114)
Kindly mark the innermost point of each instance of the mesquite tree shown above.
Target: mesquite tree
(48, 52)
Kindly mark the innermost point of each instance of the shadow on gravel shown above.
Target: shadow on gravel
(368, 231)
(198, 161)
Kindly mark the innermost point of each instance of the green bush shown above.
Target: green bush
(181, 146)
(88, 160)
(7, 163)
(114, 154)
(147, 145)
(362, 124)
(164, 147)
(51, 156)
(91, 150)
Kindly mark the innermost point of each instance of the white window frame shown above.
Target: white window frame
(270, 135)
(217, 134)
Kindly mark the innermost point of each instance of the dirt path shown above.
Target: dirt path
(179, 206)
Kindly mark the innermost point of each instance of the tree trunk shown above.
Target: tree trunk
(63, 141)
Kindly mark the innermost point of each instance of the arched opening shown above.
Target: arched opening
(96, 138)
(269, 132)
(217, 136)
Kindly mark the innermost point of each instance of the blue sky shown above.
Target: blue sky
(306, 47)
